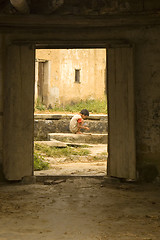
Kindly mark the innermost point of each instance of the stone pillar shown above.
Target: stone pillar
(18, 112)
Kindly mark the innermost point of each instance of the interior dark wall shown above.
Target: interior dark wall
(107, 24)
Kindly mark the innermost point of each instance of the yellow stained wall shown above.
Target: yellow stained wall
(62, 87)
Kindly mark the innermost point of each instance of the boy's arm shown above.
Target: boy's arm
(80, 124)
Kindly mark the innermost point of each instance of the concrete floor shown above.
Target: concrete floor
(80, 209)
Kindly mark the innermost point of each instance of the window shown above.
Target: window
(77, 75)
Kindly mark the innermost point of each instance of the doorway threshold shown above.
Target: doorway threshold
(49, 180)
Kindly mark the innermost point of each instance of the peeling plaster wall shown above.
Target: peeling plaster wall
(62, 87)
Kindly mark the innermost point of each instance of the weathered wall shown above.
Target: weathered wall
(147, 80)
(94, 7)
(147, 87)
(143, 32)
(18, 112)
(62, 87)
(1, 101)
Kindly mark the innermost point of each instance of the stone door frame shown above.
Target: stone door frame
(8, 161)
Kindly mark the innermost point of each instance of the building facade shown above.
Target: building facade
(65, 76)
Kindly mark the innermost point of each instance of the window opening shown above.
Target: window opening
(77, 75)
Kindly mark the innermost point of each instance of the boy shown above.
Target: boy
(77, 121)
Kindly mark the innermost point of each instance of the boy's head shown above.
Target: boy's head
(84, 113)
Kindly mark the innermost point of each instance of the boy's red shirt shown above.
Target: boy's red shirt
(79, 120)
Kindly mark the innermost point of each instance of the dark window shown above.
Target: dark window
(77, 75)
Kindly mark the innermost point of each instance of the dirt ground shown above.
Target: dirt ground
(95, 164)
(80, 208)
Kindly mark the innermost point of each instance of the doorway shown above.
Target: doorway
(19, 89)
(42, 76)
(77, 81)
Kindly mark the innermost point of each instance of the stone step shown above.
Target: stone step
(79, 138)
(102, 117)
(53, 143)
(59, 144)
(43, 127)
(54, 123)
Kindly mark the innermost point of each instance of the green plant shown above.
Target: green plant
(39, 105)
(50, 151)
(104, 153)
(99, 158)
(93, 106)
(39, 162)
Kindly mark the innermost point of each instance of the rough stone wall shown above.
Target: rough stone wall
(43, 127)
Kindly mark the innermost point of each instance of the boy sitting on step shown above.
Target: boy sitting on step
(77, 122)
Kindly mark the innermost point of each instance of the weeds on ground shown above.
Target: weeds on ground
(103, 153)
(50, 151)
(93, 106)
(99, 157)
(39, 105)
(39, 162)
